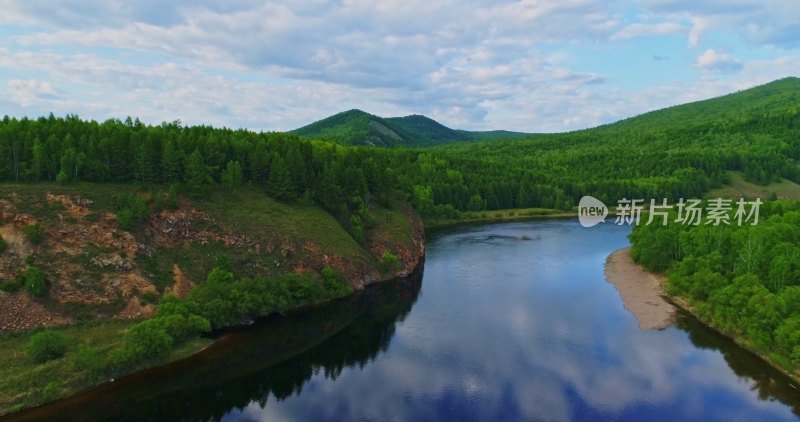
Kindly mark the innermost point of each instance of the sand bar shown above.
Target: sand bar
(640, 291)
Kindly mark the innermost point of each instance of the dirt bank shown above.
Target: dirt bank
(640, 291)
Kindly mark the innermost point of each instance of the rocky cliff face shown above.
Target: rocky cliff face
(94, 268)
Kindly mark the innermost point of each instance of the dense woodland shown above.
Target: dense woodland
(743, 280)
(660, 154)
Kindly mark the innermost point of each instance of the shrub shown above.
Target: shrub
(47, 345)
(147, 298)
(34, 233)
(50, 389)
(334, 283)
(147, 338)
(34, 282)
(88, 359)
(389, 262)
(10, 285)
(125, 219)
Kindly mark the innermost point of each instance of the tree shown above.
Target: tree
(171, 159)
(197, 173)
(280, 183)
(232, 175)
(148, 338)
(476, 203)
(47, 345)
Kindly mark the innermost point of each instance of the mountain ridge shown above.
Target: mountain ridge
(357, 127)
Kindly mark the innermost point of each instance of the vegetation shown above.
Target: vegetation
(34, 233)
(743, 280)
(87, 360)
(669, 153)
(47, 345)
(356, 127)
(329, 197)
(34, 282)
(389, 262)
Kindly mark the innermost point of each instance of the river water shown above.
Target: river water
(511, 321)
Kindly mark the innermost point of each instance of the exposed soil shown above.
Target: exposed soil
(640, 291)
(90, 263)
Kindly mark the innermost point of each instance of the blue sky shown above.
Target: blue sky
(534, 66)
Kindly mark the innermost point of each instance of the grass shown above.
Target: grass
(740, 188)
(24, 383)
(390, 226)
(296, 225)
(290, 233)
(500, 215)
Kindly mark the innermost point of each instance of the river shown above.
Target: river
(511, 321)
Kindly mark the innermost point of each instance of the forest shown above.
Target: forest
(667, 153)
(743, 280)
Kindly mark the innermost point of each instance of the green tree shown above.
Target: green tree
(47, 345)
(197, 173)
(280, 183)
(232, 175)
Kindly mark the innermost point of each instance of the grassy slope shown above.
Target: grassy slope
(299, 235)
(740, 188)
(24, 383)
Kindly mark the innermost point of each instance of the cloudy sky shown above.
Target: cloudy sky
(535, 66)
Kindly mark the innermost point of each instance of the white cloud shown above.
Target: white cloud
(638, 30)
(28, 92)
(712, 61)
(279, 65)
(757, 22)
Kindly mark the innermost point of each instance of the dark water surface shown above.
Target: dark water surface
(511, 321)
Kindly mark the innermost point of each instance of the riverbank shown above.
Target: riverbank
(643, 295)
(500, 216)
(641, 291)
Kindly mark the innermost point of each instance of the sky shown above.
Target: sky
(532, 66)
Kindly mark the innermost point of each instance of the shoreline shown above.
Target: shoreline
(621, 270)
(189, 350)
(640, 291)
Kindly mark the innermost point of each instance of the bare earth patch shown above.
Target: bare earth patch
(640, 291)
(20, 312)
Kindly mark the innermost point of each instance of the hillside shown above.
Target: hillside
(94, 268)
(356, 127)
(739, 106)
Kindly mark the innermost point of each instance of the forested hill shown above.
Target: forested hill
(676, 152)
(356, 127)
(754, 133)
(782, 94)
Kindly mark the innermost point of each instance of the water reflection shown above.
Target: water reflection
(514, 322)
(274, 358)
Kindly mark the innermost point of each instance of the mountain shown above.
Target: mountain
(356, 127)
(763, 99)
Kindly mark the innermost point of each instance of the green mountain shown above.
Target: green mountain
(763, 99)
(356, 127)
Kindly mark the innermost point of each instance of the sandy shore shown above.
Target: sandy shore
(640, 291)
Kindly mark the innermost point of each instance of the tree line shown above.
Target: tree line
(543, 171)
(743, 280)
